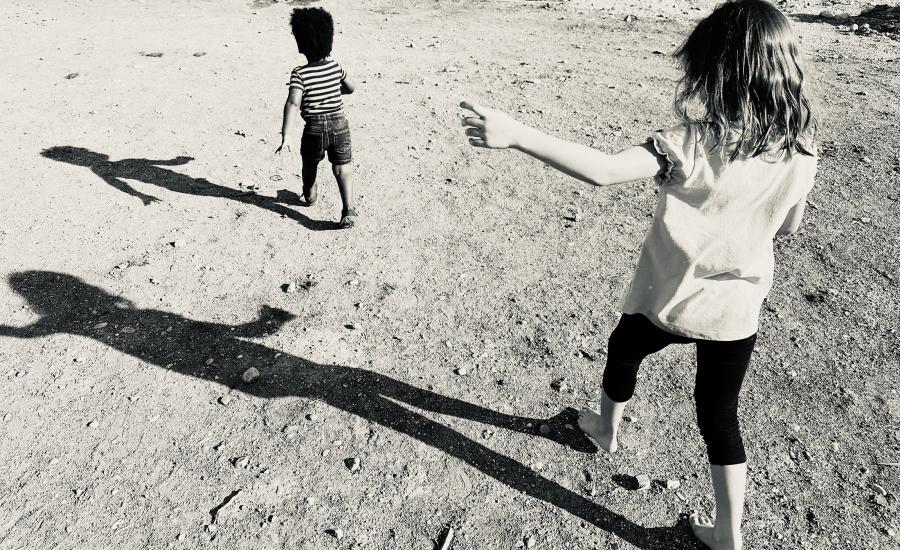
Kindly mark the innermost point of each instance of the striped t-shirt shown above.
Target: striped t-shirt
(320, 83)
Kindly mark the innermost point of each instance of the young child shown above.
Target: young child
(316, 88)
(732, 175)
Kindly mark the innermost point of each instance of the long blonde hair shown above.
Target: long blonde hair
(742, 65)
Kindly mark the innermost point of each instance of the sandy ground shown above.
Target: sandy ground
(138, 287)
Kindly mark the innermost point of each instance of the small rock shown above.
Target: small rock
(879, 489)
(643, 481)
(289, 288)
(544, 429)
(630, 18)
(129, 330)
(351, 326)
(825, 14)
(854, 27)
(210, 361)
(671, 484)
(92, 424)
(462, 371)
(530, 542)
(336, 533)
(79, 359)
(101, 325)
(312, 417)
(177, 243)
(70, 76)
(352, 464)
(7, 416)
(241, 461)
(225, 400)
(250, 375)
(559, 385)
(199, 54)
(180, 537)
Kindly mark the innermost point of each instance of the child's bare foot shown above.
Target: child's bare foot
(597, 429)
(705, 531)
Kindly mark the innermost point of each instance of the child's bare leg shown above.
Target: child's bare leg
(728, 484)
(604, 427)
(342, 173)
(308, 172)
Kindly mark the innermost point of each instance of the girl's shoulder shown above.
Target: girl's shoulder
(679, 145)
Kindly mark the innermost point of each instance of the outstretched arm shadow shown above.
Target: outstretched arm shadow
(179, 343)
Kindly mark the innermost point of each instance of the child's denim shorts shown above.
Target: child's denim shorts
(329, 132)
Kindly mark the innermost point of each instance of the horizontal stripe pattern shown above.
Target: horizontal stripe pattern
(321, 86)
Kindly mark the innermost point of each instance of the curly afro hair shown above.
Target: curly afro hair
(313, 29)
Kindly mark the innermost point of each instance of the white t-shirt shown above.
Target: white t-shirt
(707, 262)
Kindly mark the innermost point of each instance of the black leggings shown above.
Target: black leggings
(720, 371)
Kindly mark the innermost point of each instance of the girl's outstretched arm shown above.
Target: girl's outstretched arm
(495, 129)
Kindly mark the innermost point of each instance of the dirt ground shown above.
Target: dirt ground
(409, 382)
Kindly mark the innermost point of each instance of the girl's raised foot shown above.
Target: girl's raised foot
(705, 532)
(597, 429)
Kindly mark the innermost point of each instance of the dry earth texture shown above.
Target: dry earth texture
(416, 377)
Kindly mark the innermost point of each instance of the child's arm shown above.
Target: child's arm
(295, 96)
(347, 85)
(496, 130)
(792, 220)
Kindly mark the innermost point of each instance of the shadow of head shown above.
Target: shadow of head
(78, 156)
(58, 294)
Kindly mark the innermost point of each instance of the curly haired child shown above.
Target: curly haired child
(316, 89)
(732, 175)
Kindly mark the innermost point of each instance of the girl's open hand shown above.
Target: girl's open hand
(490, 128)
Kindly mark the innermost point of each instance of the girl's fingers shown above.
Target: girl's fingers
(474, 132)
(473, 121)
(474, 107)
(476, 142)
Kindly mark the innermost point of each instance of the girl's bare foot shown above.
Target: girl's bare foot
(705, 531)
(598, 430)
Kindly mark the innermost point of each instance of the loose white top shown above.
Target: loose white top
(707, 262)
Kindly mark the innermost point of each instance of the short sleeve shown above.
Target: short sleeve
(343, 73)
(678, 145)
(296, 80)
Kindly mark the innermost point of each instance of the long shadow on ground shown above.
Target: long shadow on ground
(150, 171)
(68, 305)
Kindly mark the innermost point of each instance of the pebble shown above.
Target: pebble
(92, 424)
(241, 462)
(178, 243)
(79, 359)
(544, 429)
(672, 484)
(290, 288)
(180, 537)
(250, 375)
(209, 361)
(854, 27)
(225, 400)
(7, 416)
(530, 542)
(462, 371)
(199, 54)
(129, 330)
(312, 417)
(336, 533)
(826, 14)
(879, 489)
(643, 481)
(101, 325)
(352, 464)
(559, 385)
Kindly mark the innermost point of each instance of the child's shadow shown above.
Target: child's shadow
(67, 305)
(149, 171)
